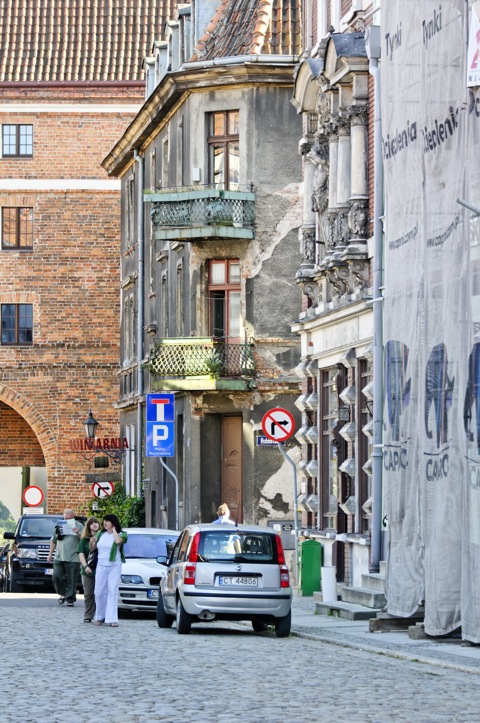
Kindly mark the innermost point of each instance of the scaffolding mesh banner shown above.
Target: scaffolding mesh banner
(430, 129)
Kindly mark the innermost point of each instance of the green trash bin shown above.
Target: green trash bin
(310, 564)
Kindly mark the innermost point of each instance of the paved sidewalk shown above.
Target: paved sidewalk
(447, 652)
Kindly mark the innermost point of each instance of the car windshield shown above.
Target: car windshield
(39, 527)
(149, 546)
(237, 546)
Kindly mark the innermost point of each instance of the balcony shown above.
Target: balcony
(201, 364)
(197, 212)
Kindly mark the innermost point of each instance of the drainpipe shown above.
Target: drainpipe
(373, 45)
(140, 321)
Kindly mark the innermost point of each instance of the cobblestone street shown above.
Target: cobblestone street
(63, 671)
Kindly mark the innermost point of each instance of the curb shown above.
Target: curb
(412, 657)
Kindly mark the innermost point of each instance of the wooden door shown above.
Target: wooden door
(232, 466)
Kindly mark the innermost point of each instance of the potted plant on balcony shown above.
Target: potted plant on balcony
(214, 365)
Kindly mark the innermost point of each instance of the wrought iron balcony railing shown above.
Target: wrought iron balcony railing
(201, 357)
(200, 207)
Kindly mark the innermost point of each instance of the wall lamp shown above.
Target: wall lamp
(99, 449)
(90, 425)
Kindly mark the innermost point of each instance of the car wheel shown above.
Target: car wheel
(163, 620)
(283, 625)
(184, 620)
(259, 627)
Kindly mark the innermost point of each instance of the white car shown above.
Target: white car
(141, 573)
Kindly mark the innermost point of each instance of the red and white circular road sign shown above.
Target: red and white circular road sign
(103, 489)
(278, 424)
(33, 496)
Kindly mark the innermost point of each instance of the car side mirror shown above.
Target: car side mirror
(9, 535)
(162, 559)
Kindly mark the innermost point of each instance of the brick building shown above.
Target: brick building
(71, 78)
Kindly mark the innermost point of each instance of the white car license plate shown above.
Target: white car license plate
(244, 581)
(152, 594)
(49, 571)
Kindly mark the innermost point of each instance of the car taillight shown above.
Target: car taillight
(193, 555)
(190, 567)
(284, 576)
(280, 553)
(189, 575)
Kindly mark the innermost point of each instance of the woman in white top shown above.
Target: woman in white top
(223, 516)
(109, 543)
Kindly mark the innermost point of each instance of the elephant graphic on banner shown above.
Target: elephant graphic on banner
(472, 395)
(439, 392)
(397, 387)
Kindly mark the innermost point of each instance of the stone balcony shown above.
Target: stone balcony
(187, 214)
(201, 363)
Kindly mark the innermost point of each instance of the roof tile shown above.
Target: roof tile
(79, 40)
(252, 27)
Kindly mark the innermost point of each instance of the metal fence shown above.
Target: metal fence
(215, 359)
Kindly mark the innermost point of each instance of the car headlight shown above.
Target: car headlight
(132, 580)
(26, 552)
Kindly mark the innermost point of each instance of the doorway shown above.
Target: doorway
(232, 465)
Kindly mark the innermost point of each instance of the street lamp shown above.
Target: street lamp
(90, 425)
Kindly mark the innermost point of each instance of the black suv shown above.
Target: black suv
(26, 565)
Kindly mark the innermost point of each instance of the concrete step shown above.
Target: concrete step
(347, 611)
(364, 596)
(374, 581)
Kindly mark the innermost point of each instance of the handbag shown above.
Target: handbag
(92, 559)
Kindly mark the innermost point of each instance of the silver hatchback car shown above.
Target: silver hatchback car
(226, 572)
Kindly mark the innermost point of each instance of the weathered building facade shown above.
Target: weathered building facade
(71, 80)
(334, 93)
(211, 189)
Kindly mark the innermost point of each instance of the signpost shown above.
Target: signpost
(33, 496)
(160, 425)
(278, 424)
(160, 433)
(102, 489)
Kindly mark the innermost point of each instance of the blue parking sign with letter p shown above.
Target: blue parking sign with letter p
(160, 425)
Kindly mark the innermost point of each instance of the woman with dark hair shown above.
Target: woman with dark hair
(92, 526)
(109, 543)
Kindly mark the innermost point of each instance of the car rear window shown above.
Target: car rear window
(148, 546)
(237, 546)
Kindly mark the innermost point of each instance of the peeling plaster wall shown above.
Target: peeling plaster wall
(269, 131)
(275, 489)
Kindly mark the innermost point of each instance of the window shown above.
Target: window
(17, 228)
(131, 235)
(17, 140)
(328, 469)
(153, 170)
(17, 324)
(364, 448)
(164, 332)
(180, 306)
(224, 149)
(224, 296)
(165, 164)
